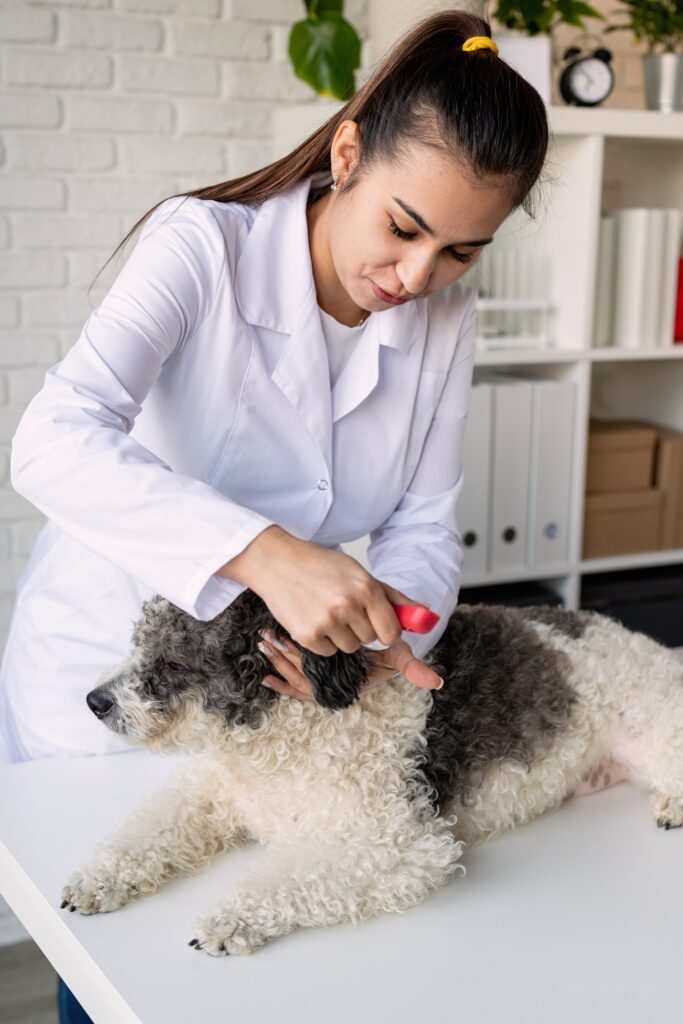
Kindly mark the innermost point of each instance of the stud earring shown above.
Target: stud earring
(333, 186)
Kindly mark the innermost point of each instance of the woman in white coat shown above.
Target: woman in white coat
(281, 366)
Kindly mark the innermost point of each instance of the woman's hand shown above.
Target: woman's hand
(397, 658)
(324, 599)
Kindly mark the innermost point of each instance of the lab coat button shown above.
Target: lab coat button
(322, 485)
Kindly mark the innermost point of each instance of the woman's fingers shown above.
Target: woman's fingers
(288, 664)
(398, 658)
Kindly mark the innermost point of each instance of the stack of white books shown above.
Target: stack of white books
(635, 296)
(513, 511)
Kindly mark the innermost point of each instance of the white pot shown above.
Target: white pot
(663, 74)
(531, 56)
(388, 20)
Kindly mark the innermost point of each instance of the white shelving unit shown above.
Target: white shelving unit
(599, 160)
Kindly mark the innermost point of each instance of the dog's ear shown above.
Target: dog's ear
(336, 681)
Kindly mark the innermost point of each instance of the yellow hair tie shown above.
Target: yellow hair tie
(477, 42)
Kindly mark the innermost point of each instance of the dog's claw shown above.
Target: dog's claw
(72, 908)
(193, 942)
(63, 904)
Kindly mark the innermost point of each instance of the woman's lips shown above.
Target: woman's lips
(386, 296)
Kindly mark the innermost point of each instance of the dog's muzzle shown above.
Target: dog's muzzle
(99, 702)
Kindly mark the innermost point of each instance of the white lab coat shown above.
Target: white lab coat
(195, 410)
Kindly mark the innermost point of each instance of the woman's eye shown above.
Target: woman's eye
(461, 257)
(401, 234)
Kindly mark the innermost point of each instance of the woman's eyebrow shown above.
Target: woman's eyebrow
(430, 231)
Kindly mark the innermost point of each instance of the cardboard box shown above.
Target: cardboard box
(669, 479)
(620, 456)
(622, 523)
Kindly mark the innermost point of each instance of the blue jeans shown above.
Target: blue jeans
(70, 1010)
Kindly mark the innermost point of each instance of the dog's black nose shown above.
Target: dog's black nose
(99, 703)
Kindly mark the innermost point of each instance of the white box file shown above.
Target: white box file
(552, 426)
(473, 504)
(510, 451)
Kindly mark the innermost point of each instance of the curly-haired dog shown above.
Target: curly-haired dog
(365, 798)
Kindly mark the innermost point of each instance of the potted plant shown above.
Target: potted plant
(324, 49)
(658, 23)
(530, 51)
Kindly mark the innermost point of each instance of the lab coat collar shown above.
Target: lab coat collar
(274, 275)
(275, 289)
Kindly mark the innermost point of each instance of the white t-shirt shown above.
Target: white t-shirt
(340, 341)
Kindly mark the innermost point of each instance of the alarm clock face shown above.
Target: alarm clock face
(590, 80)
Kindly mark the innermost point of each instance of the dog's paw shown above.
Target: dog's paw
(224, 933)
(667, 811)
(94, 894)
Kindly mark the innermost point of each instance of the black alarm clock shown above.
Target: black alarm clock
(587, 79)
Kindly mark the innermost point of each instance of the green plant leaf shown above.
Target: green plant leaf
(325, 52)
(536, 16)
(587, 11)
(320, 8)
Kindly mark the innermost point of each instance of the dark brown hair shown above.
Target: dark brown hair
(426, 91)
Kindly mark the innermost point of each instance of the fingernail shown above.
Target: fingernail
(269, 638)
(264, 683)
(439, 687)
(263, 647)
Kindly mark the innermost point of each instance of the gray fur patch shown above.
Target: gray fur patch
(506, 695)
(571, 623)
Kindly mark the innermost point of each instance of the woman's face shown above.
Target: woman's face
(411, 229)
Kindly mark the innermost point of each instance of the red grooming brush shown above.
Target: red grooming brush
(414, 618)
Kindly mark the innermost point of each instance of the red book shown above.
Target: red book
(678, 329)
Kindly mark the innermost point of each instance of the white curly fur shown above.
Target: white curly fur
(346, 819)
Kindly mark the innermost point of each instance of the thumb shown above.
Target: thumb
(398, 597)
(401, 657)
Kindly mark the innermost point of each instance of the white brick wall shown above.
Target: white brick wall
(107, 106)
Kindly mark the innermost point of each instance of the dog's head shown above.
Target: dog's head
(186, 681)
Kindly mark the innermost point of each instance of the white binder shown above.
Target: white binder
(473, 504)
(630, 328)
(511, 440)
(604, 288)
(552, 415)
(652, 282)
(672, 244)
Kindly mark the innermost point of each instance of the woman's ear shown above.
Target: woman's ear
(336, 681)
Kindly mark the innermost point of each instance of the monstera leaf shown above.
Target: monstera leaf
(325, 49)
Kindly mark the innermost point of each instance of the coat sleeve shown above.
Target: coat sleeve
(418, 549)
(72, 456)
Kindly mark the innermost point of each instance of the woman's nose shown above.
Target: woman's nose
(415, 274)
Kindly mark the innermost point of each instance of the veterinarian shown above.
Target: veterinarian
(282, 365)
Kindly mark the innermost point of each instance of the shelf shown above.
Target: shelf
(521, 357)
(513, 576)
(642, 560)
(608, 354)
(611, 354)
(614, 123)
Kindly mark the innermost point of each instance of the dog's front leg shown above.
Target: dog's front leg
(345, 883)
(177, 831)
